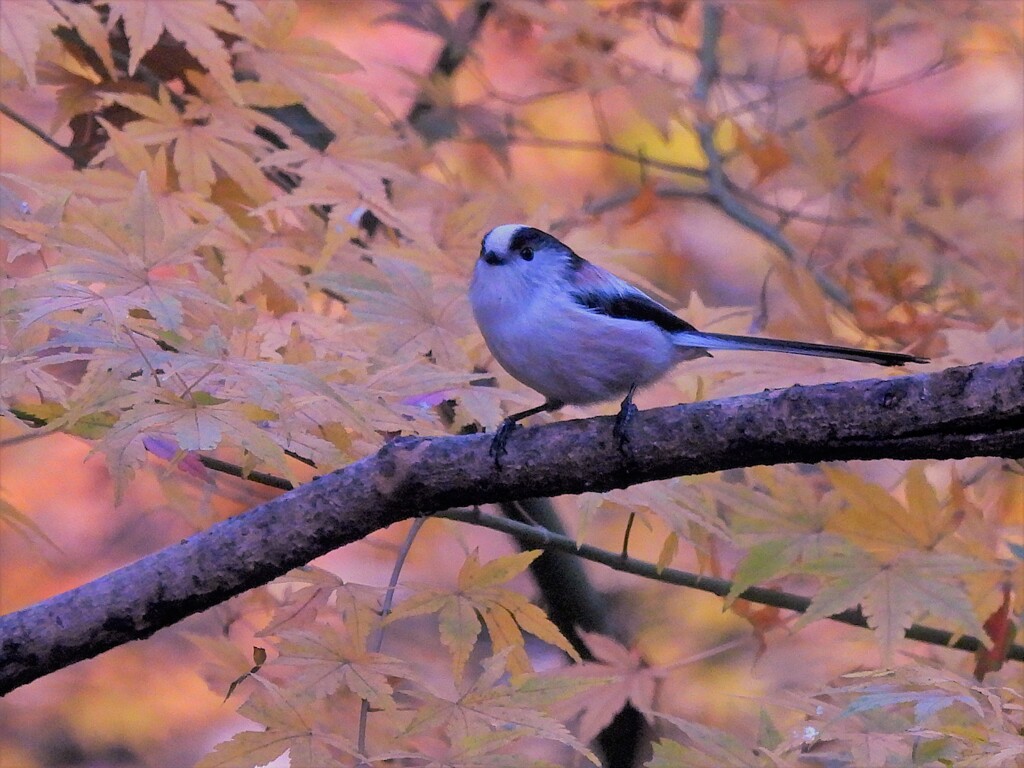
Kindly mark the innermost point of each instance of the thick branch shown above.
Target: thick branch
(970, 411)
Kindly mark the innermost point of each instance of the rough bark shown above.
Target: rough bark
(969, 411)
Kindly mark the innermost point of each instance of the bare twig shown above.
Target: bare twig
(235, 470)
(848, 99)
(377, 641)
(718, 184)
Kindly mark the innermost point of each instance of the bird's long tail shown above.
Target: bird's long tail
(701, 340)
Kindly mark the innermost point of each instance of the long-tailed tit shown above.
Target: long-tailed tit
(578, 334)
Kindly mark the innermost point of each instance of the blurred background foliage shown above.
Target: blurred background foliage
(872, 155)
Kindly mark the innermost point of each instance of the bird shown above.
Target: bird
(578, 334)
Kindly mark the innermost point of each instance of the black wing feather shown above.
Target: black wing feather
(632, 306)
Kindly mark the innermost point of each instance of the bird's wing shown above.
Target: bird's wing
(602, 292)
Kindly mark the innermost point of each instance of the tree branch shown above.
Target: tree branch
(976, 410)
(464, 32)
(718, 182)
(720, 186)
(536, 537)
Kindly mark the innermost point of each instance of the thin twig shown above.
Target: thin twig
(385, 609)
(621, 198)
(263, 478)
(545, 539)
(69, 153)
(625, 536)
(719, 185)
(583, 145)
(935, 68)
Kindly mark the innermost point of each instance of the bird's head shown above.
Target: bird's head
(517, 253)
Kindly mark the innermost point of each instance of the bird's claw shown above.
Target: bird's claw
(622, 421)
(501, 436)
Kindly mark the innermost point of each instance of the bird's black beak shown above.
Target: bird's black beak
(492, 258)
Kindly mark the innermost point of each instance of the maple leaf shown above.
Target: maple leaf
(224, 666)
(85, 20)
(290, 725)
(930, 693)
(24, 229)
(767, 153)
(710, 747)
(477, 596)
(77, 96)
(199, 140)
(329, 660)
(299, 65)
(192, 23)
(353, 167)
(972, 725)
(713, 749)
(619, 677)
(658, 101)
(894, 592)
(517, 708)
(277, 260)
(876, 521)
(1001, 630)
(420, 315)
(309, 589)
(126, 249)
(677, 503)
(479, 749)
(197, 422)
(779, 515)
(24, 25)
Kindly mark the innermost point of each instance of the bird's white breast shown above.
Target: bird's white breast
(543, 338)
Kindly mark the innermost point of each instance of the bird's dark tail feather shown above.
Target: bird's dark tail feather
(699, 339)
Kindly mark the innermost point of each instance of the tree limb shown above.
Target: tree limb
(975, 410)
(532, 536)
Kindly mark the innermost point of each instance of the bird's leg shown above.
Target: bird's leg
(626, 413)
(501, 437)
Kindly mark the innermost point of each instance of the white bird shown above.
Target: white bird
(578, 334)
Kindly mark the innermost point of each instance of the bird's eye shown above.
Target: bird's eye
(526, 253)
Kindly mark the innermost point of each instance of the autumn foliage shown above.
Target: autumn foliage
(236, 241)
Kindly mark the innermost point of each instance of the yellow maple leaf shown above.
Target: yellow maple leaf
(479, 594)
(874, 520)
(192, 23)
(198, 139)
(23, 26)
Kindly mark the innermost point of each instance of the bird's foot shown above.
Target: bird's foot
(501, 436)
(622, 421)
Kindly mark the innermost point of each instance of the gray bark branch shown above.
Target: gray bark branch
(976, 410)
